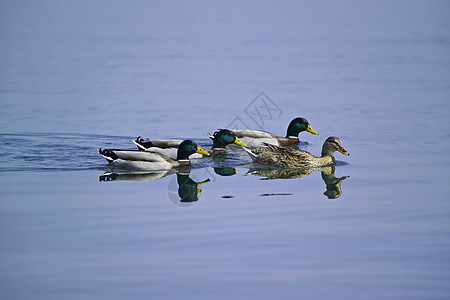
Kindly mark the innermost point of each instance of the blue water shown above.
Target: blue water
(77, 76)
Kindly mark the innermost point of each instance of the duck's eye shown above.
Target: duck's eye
(335, 144)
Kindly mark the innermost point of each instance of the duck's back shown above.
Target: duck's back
(171, 152)
(256, 138)
(288, 157)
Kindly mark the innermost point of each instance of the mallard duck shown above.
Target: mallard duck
(148, 143)
(146, 161)
(290, 157)
(257, 138)
(220, 138)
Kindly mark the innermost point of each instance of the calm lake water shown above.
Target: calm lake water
(79, 75)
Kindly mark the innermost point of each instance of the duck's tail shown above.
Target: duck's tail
(142, 144)
(250, 153)
(108, 154)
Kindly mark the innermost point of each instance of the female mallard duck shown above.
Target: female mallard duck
(291, 157)
(258, 138)
(169, 148)
(147, 161)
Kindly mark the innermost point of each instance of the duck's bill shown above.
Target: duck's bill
(342, 150)
(199, 191)
(202, 151)
(203, 182)
(238, 142)
(310, 130)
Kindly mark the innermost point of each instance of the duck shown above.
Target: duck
(148, 143)
(221, 139)
(292, 157)
(148, 161)
(257, 138)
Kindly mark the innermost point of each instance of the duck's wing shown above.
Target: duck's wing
(256, 138)
(255, 134)
(134, 155)
(289, 153)
(144, 144)
(166, 143)
(272, 154)
(169, 152)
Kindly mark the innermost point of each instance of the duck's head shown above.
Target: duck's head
(331, 145)
(187, 148)
(298, 125)
(225, 137)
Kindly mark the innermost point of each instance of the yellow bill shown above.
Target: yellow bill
(202, 151)
(238, 142)
(342, 150)
(310, 130)
(199, 190)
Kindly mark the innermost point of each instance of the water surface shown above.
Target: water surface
(79, 76)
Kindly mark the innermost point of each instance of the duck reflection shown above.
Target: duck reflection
(274, 172)
(334, 189)
(333, 184)
(225, 171)
(188, 189)
(150, 176)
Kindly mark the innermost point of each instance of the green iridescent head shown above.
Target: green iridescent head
(298, 125)
(225, 137)
(187, 148)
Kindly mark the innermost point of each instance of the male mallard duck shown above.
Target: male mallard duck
(169, 148)
(146, 161)
(291, 157)
(257, 138)
(148, 143)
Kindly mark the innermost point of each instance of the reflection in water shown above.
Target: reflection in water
(273, 172)
(110, 176)
(188, 189)
(225, 171)
(332, 183)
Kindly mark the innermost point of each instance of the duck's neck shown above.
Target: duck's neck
(289, 140)
(325, 160)
(292, 131)
(183, 163)
(218, 144)
(328, 151)
(216, 151)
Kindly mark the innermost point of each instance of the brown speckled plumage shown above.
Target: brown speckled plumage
(291, 157)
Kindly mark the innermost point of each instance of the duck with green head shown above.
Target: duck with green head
(258, 138)
(220, 138)
(148, 161)
(291, 157)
